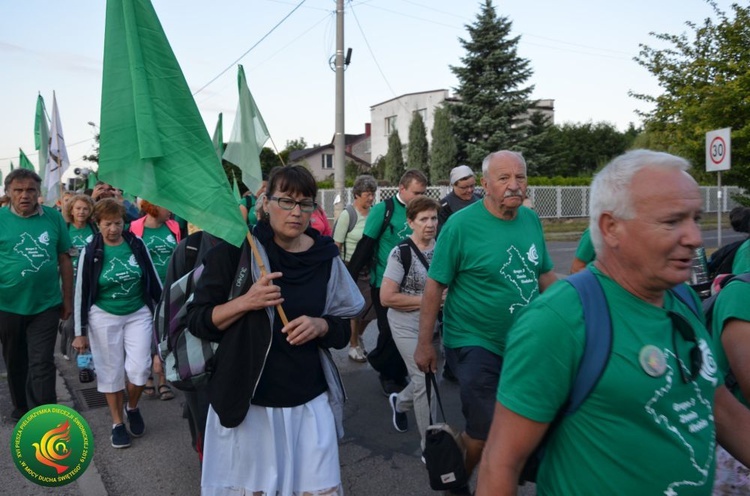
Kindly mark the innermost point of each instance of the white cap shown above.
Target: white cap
(460, 172)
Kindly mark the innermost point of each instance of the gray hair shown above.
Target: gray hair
(488, 159)
(610, 190)
(363, 184)
(21, 175)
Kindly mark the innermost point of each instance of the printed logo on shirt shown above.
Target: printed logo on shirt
(35, 251)
(122, 275)
(161, 249)
(709, 369)
(521, 276)
(685, 418)
(532, 255)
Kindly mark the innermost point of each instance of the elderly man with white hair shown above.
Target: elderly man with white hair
(493, 259)
(651, 422)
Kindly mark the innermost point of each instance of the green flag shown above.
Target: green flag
(41, 134)
(249, 133)
(24, 161)
(91, 180)
(154, 143)
(219, 138)
(11, 165)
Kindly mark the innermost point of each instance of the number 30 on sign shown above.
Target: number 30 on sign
(718, 150)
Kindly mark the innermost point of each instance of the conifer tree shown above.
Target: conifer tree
(491, 79)
(394, 159)
(417, 156)
(443, 150)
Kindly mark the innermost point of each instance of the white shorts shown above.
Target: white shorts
(274, 451)
(120, 344)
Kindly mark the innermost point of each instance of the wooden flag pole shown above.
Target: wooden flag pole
(262, 266)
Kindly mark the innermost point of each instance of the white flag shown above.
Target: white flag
(57, 162)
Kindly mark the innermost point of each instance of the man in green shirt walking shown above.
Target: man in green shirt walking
(34, 246)
(493, 259)
(651, 422)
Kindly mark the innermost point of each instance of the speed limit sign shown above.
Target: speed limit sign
(718, 150)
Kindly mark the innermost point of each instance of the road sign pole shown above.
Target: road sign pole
(718, 209)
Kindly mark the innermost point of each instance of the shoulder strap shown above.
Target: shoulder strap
(420, 255)
(390, 206)
(598, 344)
(192, 246)
(352, 218)
(242, 274)
(683, 294)
(431, 382)
(405, 251)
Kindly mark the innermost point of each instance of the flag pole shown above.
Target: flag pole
(262, 266)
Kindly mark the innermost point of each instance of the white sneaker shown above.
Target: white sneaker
(357, 354)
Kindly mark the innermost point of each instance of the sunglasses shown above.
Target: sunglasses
(687, 332)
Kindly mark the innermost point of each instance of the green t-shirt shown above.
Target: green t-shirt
(120, 286)
(79, 238)
(161, 244)
(741, 262)
(349, 240)
(248, 202)
(585, 251)
(634, 434)
(29, 273)
(491, 267)
(732, 303)
(397, 231)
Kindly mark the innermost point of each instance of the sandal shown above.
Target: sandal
(165, 392)
(149, 391)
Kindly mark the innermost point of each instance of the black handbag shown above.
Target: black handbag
(443, 450)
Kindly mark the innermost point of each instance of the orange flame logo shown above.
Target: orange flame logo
(53, 447)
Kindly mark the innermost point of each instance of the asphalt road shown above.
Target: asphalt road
(375, 459)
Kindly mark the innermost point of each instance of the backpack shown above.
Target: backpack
(365, 252)
(722, 259)
(352, 222)
(405, 248)
(596, 352)
(188, 359)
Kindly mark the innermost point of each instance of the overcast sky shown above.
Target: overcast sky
(581, 54)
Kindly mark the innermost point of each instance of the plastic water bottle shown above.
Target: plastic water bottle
(86, 367)
(699, 274)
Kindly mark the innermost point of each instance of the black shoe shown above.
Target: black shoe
(400, 422)
(448, 374)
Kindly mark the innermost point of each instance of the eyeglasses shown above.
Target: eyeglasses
(466, 188)
(306, 206)
(687, 332)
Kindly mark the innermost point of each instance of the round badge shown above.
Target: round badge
(652, 360)
(52, 445)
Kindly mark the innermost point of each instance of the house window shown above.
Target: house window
(422, 113)
(327, 160)
(390, 125)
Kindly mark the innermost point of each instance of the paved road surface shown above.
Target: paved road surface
(376, 460)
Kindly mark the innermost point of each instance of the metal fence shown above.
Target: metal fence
(549, 201)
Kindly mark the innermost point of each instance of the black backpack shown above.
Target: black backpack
(722, 260)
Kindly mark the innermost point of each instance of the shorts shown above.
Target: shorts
(478, 374)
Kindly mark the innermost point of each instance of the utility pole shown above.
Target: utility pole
(339, 144)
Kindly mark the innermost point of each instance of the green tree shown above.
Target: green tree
(443, 151)
(416, 154)
(494, 100)
(705, 79)
(587, 147)
(541, 148)
(394, 159)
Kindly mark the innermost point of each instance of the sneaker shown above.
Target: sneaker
(400, 422)
(357, 354)
(135, 422)
(120, 437)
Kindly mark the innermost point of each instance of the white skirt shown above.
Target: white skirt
(273, 452)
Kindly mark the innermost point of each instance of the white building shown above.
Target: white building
(397, 113)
